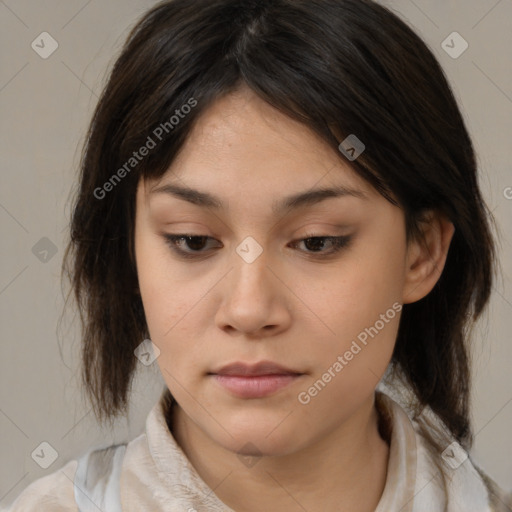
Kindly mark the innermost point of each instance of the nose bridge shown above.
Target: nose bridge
(249, 298)
(251, 266)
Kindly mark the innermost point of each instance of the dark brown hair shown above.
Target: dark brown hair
(340, 67)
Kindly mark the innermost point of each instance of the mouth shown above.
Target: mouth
(254, 380)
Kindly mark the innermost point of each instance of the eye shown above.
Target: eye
(196, 244)
(316, 243)
(193, 242)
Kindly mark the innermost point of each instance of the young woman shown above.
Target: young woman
(278, 205)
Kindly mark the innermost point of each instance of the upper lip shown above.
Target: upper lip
(260, 368)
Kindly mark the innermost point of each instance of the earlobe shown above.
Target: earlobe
(426, 256)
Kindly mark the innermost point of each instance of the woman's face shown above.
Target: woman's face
(255, 290)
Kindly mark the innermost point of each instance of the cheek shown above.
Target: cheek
(352, 361)
(168, 318)
(162, 297)
(376, 276)
(173, 307)
(362, 310)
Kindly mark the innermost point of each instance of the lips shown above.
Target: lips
(253, 370)
(258, 380)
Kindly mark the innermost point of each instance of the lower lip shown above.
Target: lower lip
(256, 386)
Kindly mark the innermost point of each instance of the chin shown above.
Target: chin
(253, 441)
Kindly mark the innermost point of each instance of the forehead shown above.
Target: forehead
(241, 142)
(242, 125)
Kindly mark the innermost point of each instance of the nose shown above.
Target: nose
(255, 299)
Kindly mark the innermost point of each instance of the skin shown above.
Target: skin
(290, 306)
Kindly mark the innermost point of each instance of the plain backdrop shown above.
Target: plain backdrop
(45, 107)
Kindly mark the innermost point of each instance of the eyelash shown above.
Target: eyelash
(338, 243)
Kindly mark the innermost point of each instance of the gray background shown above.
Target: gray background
(45, 107)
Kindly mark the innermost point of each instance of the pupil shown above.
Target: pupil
(196, 238)
(316, 242)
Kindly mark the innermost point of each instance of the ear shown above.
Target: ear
(426, 256)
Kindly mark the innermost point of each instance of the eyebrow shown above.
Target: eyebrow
(293, 202)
